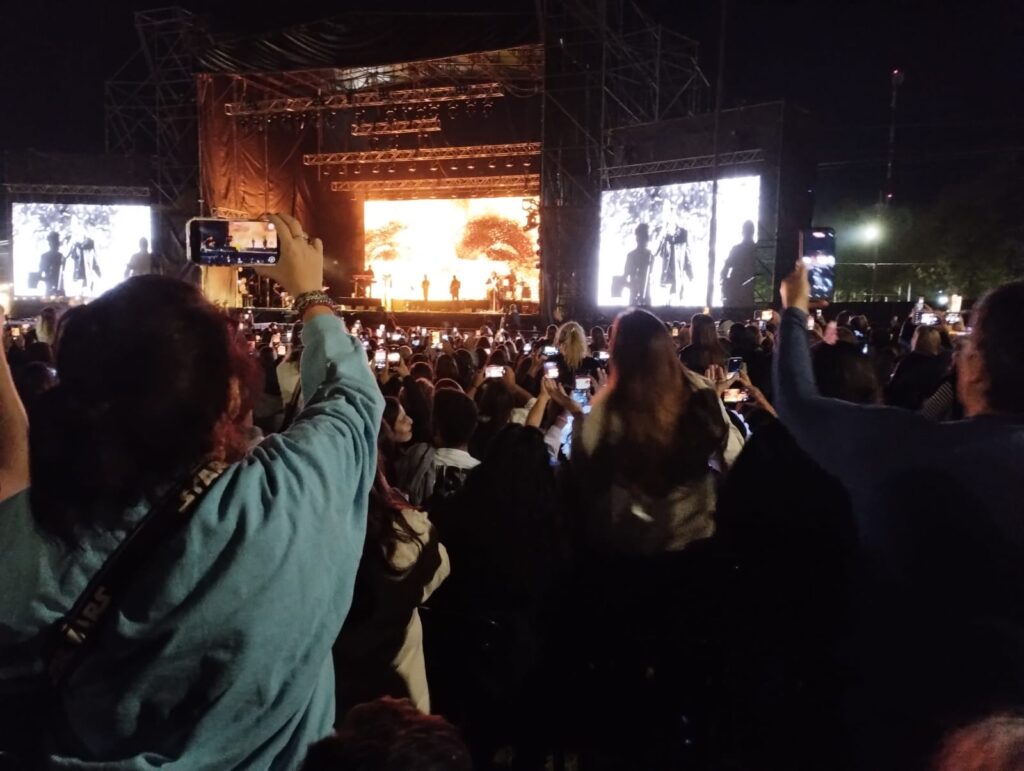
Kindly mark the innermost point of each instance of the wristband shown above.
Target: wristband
(307, 300)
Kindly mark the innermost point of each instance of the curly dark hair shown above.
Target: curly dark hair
(145, 392)
(390, 735)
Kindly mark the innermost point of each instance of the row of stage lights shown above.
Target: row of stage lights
(328, 118)
(391, 168)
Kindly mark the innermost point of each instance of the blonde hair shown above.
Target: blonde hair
(571, 341)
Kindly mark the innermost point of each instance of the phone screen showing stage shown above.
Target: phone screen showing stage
(818, 251)
(214, 242)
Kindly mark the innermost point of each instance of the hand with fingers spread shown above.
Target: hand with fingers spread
(301, 268)
(718, 376)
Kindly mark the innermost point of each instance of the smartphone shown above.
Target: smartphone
(15, 331)
(527, 347)
(380, 358)
(551, 370)
(214, 242)
(734, 395)
(929, 319)
(810, 323)
(766, 315)
(603, 356)
(581, 393)
(394, 357)
(818, 252)
(366, 344)
(953, 318)
(494, 370)
(282, 350)
(734, 365)
(445, 337)
(675, 331)
(435, 338)
(550, 350)
(395, 337)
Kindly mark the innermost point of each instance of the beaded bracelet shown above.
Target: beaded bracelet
(307, 300)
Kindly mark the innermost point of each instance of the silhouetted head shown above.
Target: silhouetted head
(748, 231)
(642, 235)
(990, 367)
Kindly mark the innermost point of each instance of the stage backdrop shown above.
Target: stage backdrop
(251, 171)
(472, 239)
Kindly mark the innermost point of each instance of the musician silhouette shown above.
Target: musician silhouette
(739, 270)
(638, 267)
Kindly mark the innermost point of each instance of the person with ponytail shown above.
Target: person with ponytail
(217, 652)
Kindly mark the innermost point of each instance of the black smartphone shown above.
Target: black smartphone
(214, 242)
(818, 252)
(734, 365)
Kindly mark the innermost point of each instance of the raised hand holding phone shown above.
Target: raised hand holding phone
(795, 289)
(301, 268)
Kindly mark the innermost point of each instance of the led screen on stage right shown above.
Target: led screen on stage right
(654, 243)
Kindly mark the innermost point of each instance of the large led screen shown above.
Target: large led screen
(485, 243)
(654, 243)
(76, 250)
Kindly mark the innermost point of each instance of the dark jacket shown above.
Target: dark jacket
(938, 510)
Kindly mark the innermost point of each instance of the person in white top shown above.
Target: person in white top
(428, 473)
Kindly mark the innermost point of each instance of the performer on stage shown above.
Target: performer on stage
(512, 322)
(454, 288)
(50, 264)
(638, 267)
(739, 270)
(140, 263)
(426, 287)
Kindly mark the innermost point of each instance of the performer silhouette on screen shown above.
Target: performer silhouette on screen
(50, 264)
(454, 288)
(426, 287)
(739, 270)
(141, 262)
(638, 267)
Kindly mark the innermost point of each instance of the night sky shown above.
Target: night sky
(962, 97)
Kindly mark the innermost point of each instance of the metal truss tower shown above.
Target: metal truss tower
(150, 104)
(607, 66)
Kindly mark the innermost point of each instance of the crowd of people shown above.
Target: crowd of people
(786, 543)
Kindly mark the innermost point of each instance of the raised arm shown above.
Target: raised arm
(13, 436)
(853, 442)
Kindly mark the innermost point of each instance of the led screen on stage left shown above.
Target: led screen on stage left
(479, 241)
(74, 250)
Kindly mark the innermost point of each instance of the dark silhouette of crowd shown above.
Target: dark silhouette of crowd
(792, 542)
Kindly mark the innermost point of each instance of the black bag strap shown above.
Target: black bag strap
(73, 635)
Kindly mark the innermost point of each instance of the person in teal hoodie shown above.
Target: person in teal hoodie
(218, 655)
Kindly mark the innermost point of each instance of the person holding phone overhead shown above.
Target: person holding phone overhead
(938, 508)
(213, 645)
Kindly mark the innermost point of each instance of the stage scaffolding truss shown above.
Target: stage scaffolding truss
(626, 171)
(463, 187)
(77, 191)
(607, 66)
(424, 154)
(150, 104)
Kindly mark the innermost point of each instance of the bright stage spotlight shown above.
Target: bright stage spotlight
(872, 233)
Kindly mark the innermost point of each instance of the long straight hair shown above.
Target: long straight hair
(666, 430)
